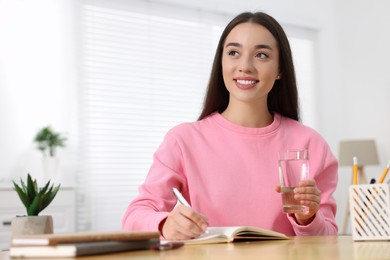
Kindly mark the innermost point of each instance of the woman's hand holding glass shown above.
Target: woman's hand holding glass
(309, 195)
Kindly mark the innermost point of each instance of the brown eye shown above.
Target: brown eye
(232, 53)
(261, 55)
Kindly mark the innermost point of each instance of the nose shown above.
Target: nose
(246, 64)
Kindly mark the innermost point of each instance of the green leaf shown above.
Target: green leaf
(33, 209)
(22, 195)
(31, 188)
(24, 187)
(50, 196)
(44, 189)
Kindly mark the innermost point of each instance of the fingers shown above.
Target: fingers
(195, 220)
(309, 195)
(184, 223)
(308, 187)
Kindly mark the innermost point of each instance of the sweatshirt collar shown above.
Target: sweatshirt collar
(223, 122)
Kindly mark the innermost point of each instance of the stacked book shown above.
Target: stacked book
(82, 243)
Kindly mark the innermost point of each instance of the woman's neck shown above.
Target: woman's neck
(248, 116)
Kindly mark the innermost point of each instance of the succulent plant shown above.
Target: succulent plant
(34, 198)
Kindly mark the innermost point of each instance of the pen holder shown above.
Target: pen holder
(370, 211)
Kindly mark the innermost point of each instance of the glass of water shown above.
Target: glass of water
(293, 167)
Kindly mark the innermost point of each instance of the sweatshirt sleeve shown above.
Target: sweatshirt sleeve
(325, 173)
(155, 199)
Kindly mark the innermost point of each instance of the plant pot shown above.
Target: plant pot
(32, 225)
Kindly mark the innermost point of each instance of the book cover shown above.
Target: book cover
(82, 248)
(76, 237)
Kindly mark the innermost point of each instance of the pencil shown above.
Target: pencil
(384, 173)
(355, 171)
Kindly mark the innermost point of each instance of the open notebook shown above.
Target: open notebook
(235, 233)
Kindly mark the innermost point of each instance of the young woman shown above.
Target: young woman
(226, 163)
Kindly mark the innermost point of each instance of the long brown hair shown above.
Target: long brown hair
(283, 98)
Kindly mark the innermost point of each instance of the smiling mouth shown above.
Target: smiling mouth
(245, 84)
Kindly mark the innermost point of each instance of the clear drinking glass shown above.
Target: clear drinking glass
(293, 167)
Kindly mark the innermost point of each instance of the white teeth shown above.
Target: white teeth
(246, 82)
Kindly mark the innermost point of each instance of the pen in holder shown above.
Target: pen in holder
(370, 211)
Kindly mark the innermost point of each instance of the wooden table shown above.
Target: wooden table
(300, 248)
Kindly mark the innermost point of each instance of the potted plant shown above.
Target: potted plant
(35, 199)
(47, 142)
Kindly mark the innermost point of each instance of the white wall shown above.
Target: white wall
(37, 83)
(364, 82)
(38, 75)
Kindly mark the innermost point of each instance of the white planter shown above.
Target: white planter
(32, 225)
(50, 168)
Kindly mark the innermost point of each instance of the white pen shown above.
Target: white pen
(180, 197)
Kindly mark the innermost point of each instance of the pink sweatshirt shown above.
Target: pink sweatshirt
(229, 173)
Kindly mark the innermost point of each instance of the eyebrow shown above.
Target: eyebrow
(258, 46)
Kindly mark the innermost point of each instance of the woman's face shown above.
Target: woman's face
(250, 63)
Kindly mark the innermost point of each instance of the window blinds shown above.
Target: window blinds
(141, 74)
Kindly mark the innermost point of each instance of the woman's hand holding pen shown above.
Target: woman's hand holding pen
(184, 223)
